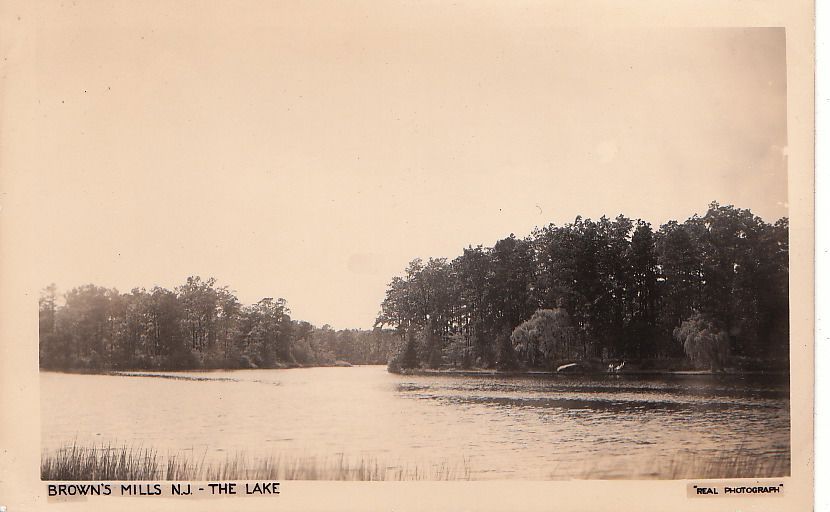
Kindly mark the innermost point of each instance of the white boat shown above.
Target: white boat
(566, 366)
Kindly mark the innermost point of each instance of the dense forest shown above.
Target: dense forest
(710, 292)
(196, 325)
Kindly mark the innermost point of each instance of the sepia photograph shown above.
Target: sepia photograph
(373, 242)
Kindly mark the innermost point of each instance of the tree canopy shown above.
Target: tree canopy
(605, 289)
(622, 286)
(197, 325)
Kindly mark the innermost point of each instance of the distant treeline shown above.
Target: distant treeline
(712, 290)
(196, 325)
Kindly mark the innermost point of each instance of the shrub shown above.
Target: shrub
(548, 336)
(407, 356)
(705, 344)
(458, 351)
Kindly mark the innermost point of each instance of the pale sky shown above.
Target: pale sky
(312, 156)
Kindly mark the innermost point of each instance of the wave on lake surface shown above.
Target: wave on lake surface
(493, 427)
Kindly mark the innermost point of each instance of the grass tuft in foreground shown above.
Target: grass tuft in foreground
(687, 465)
(739, 464)
(106, 462)
(123, 462)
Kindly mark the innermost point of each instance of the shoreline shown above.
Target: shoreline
(593, 371)
(471, 372)
(136, 371)
(518, 373)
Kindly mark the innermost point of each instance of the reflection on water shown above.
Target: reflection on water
(528, 427)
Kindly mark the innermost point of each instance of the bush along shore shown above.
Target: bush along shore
(665, 366)
(706, 294)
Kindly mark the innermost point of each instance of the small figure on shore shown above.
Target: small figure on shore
(615, 369)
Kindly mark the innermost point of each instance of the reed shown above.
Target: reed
(105, 462)
(738, 464)
(130, 462)
(126, 462)
(741, 463)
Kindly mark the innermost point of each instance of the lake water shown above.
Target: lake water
(529, 427)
